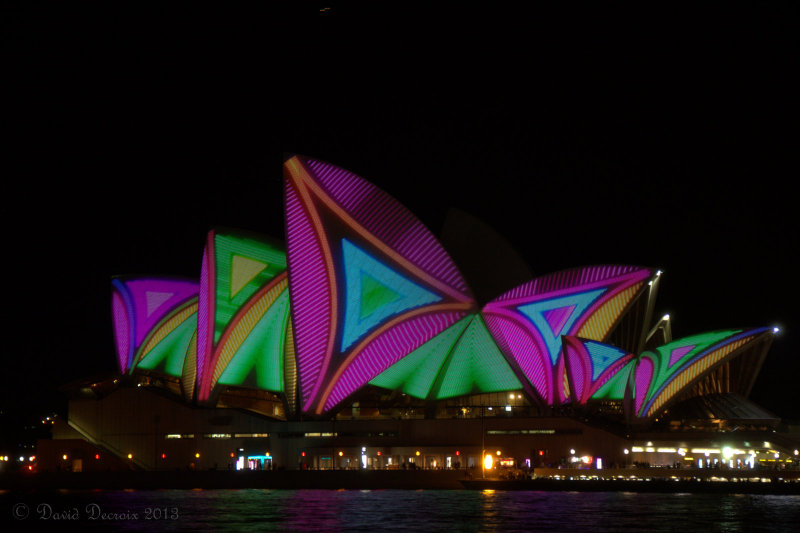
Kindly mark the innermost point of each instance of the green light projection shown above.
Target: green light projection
(258, 363)
(614, 388)
(243, 265)
(168, 355)
(461, 360)
(670, 358)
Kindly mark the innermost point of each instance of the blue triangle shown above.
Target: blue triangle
(358, 263)
(535, 312)
(602, 356)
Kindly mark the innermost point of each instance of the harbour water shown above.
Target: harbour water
(394, 510)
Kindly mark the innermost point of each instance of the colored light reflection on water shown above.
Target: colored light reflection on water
(398, 510)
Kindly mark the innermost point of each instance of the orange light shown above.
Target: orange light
(379, 454)
(458, 452)
(163, 456)
(233, 455)
(302, 454)
(97, 456)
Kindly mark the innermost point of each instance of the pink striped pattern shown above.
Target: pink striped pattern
(204, 313)
(577, 361)
(643, 376)
(122, 327)
(309, 293)
(520, 347)
(516, 343)
(566, 280)
(388, 348)
(388, 220)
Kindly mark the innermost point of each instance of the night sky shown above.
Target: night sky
(664, 138)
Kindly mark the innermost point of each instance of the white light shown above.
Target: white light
(658, 273)
(487, 462)
(665, 317)
(727, 452)
(776, 329)
(572, 451)
(625, 451)
(508, 408)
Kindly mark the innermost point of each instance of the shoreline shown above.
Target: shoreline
(647, 480)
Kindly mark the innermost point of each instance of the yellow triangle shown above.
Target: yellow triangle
(243, 270)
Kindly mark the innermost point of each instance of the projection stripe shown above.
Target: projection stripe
(599, 323)
(688, 374)
(372, 208)
(309, 293)
(243, 328)
(160, 333)
(385, 350)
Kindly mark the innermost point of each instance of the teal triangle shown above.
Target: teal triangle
(539, 312)
(603, 356)
(393, 293)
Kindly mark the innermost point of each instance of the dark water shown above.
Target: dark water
(395, 510)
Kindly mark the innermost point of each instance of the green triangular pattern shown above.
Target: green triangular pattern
(259, 361)
(415, 373)
(614, 388)
(244, 252)
(167, 356)
(476, 365)
(663, 371)
(374, 295)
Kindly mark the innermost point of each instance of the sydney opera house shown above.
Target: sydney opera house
(359, 343)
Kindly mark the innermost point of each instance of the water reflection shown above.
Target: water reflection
(321, 511)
